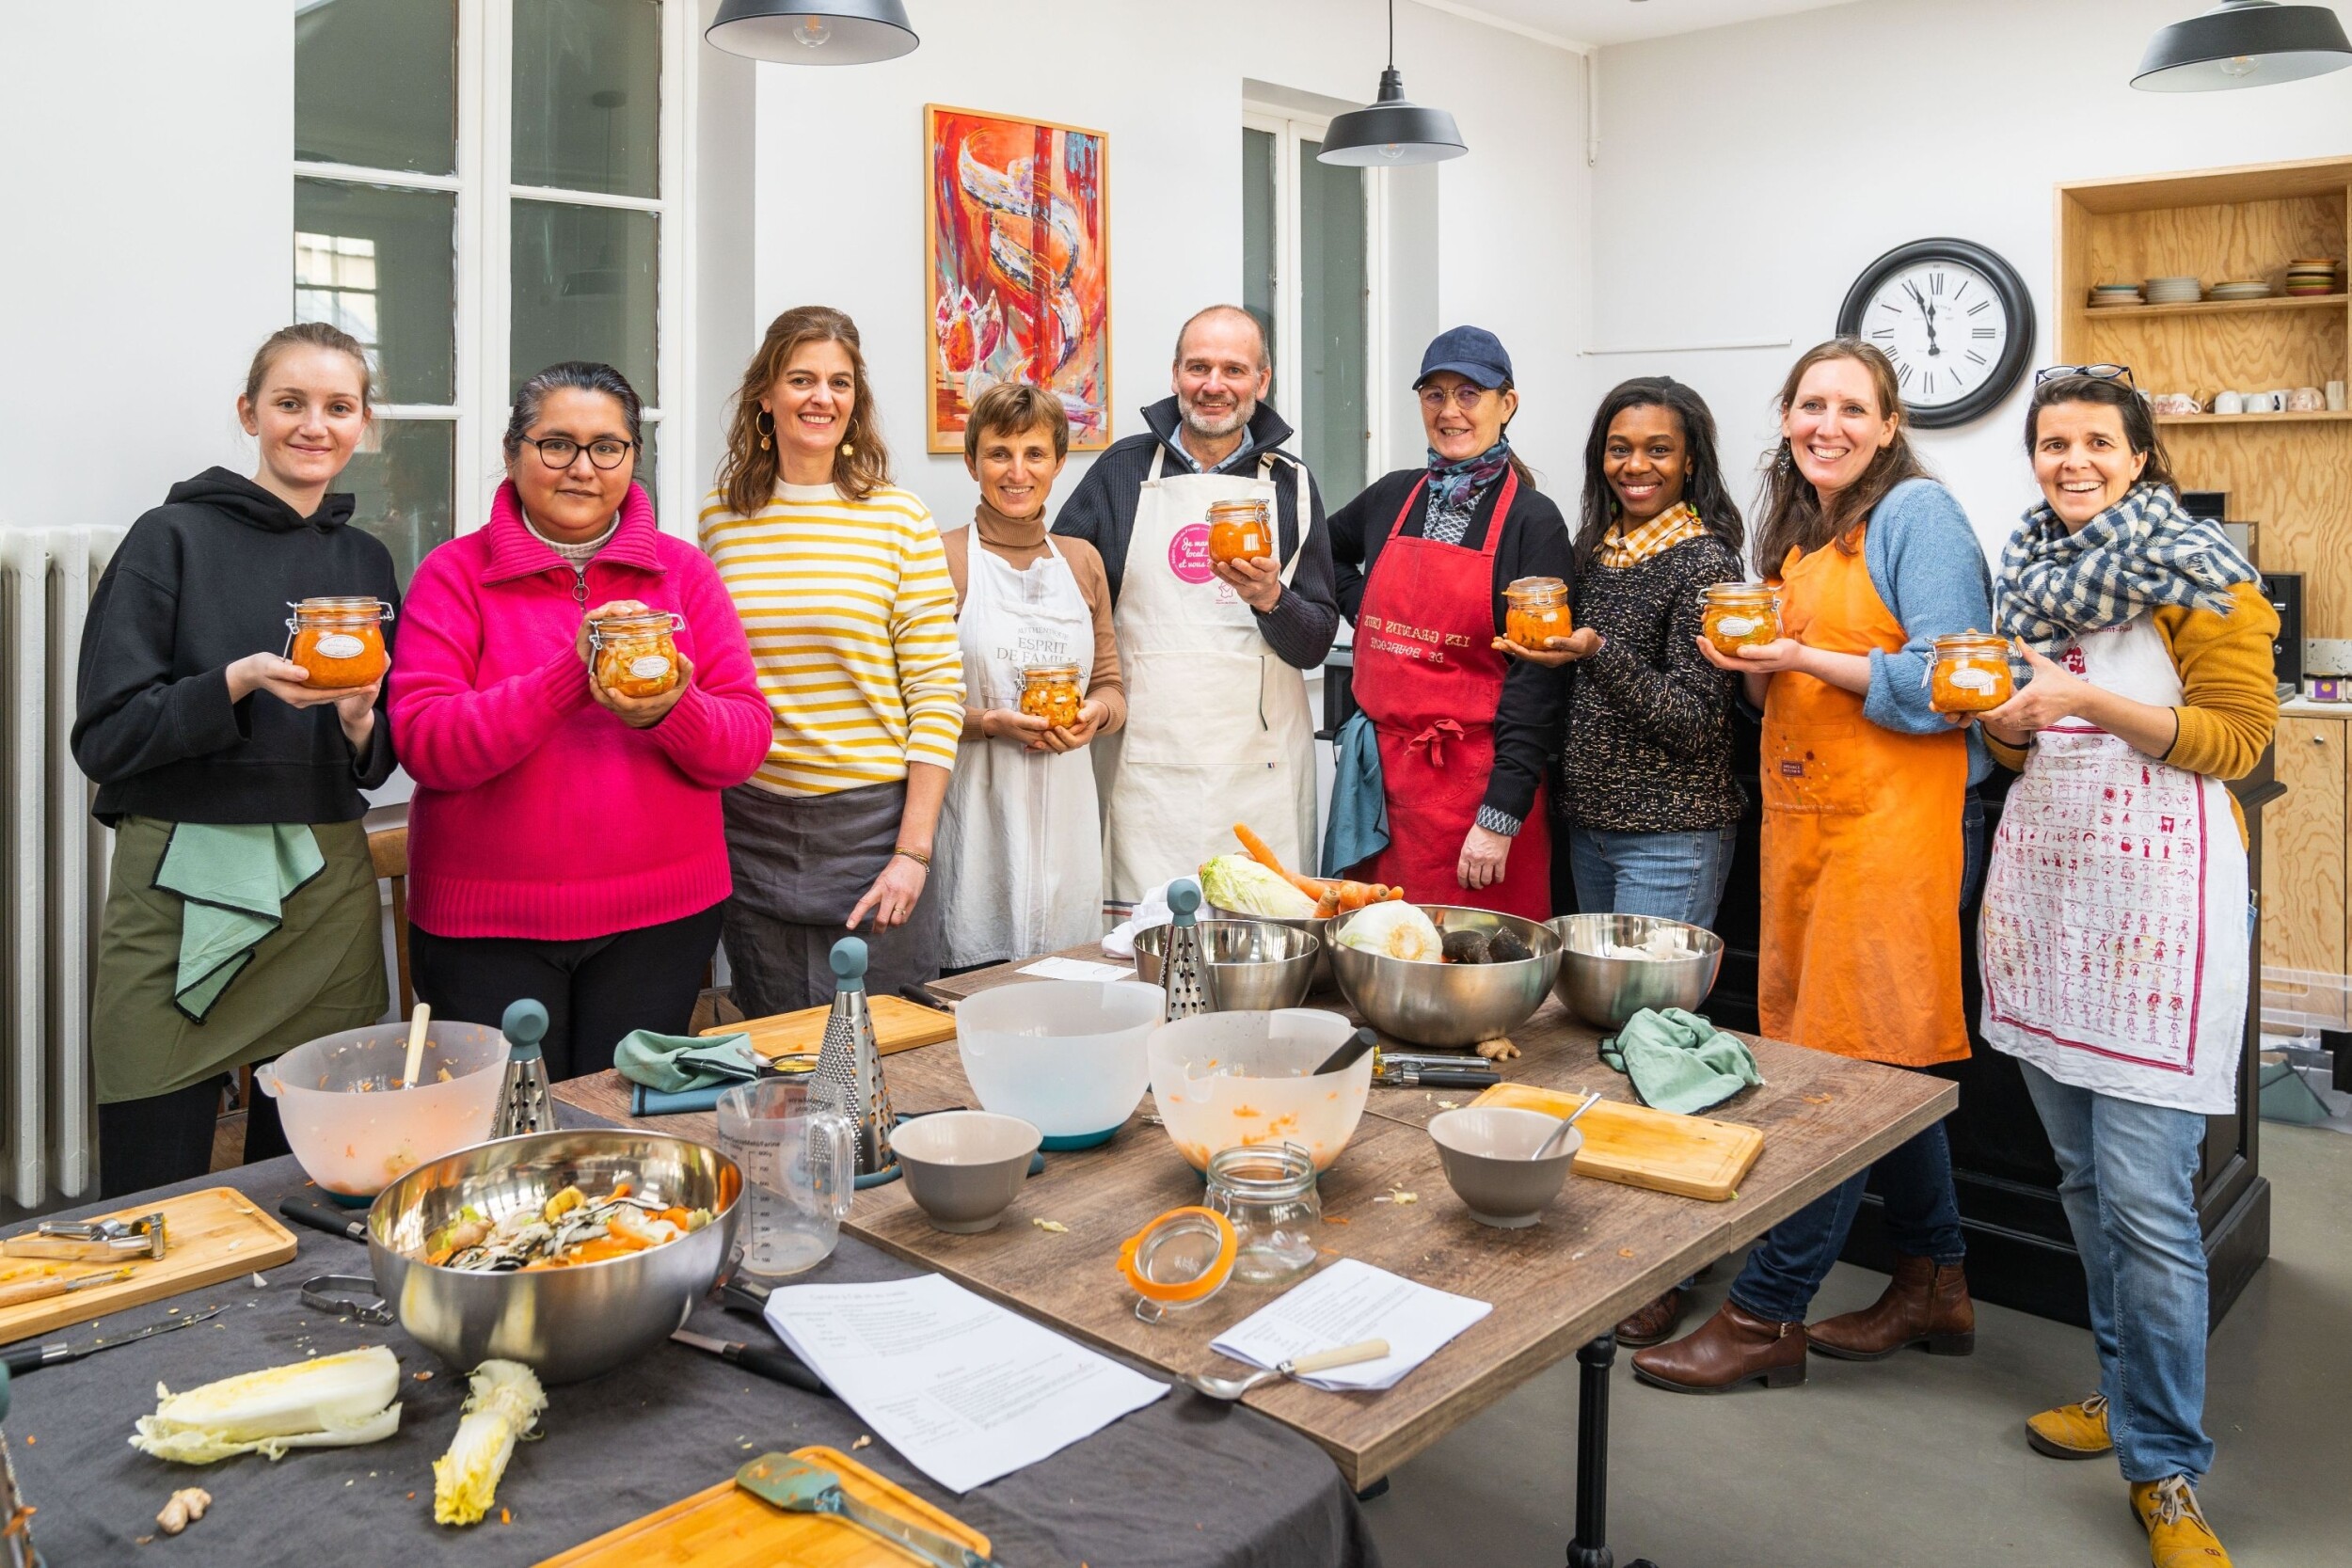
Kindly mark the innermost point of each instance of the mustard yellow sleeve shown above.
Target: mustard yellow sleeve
(2229, 689)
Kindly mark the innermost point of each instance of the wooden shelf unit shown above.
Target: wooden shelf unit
(2171, 420)
(2226, 307)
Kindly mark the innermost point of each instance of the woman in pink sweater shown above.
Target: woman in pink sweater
(565, 840)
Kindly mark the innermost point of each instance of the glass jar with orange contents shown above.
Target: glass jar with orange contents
(1050, 691)
(1238, 530)
(636, 656)
(1970, 673)
(1535, 608)
(340, 641)
(1739, 615)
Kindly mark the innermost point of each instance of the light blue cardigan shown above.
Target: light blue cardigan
(1926, 564)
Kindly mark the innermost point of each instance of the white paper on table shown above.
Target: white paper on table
(964, 1389)
(1349, 1302)
(1076, 969)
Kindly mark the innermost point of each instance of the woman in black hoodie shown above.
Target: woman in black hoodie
(185, 717)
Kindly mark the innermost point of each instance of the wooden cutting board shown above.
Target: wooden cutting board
(899, 1025)
(209, 1236)
(726, 1527)
(1637, 1145)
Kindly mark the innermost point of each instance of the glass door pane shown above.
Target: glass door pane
(584, 288)
(588, 95)
(376, 84)
(381, 265)
(405, 482)
(1332, 311)
(1258, 235)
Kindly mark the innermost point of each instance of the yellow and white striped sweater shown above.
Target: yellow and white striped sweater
(852, 624)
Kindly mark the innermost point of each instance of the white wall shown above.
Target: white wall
(841, 181)
(149, 222)
(1748, 174)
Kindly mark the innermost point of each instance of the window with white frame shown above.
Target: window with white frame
(1306, 255)
(482, 188)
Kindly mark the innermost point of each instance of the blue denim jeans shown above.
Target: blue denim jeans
(2128, 1174)
(1674, 875)
(1787, 1266)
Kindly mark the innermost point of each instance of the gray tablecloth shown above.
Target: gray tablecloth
(1185, 1482)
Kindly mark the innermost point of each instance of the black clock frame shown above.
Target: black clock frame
(2007, 371)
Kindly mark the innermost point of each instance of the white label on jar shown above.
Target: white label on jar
(1972, 680)
(648, 667)
(1737, 625)
(341, 645)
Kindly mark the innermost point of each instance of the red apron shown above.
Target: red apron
(1428, 677)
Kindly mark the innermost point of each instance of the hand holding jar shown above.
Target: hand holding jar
(2051, 695)
(621, 642)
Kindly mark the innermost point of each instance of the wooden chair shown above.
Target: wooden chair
(389, 849)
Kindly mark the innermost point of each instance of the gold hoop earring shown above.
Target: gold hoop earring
(765, 431)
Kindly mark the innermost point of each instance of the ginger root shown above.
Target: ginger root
(186, 1507)
(1497, 1050)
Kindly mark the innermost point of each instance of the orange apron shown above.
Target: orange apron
(1860, 952)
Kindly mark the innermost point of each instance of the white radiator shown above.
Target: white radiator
(53, 862)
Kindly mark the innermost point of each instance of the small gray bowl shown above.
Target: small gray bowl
(1604, 993)
(963, 1169)
(1484, 1149)
(1252, 966)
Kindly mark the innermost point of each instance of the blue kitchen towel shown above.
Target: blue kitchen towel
(1358, 826)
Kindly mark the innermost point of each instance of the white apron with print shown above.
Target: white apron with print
(1020, 861)
(1217, 725)
(2113, 943)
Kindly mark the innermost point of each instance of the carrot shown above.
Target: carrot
(1337, 891)
(1259, 851)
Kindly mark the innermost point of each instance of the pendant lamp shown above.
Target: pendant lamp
(1392, 130)
(814, 32)
(2244, 43)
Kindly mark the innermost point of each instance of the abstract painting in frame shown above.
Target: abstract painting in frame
(1017, 268)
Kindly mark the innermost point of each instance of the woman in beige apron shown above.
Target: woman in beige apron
(2114, 944)
(1219, 729)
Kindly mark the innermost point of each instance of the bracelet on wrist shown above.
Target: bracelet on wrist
(915, 855)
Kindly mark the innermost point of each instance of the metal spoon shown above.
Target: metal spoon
(1552, 1146)
(1234, 1387)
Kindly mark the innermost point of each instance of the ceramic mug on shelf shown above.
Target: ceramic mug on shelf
(2261, 402)
(2306, 400)
(2229, 402)
(2282, 400)
(2335, 397)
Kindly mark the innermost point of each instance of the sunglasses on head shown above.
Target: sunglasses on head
(2096, 372)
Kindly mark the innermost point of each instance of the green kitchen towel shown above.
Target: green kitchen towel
(1679, 1061)
(673, 1064)
(234, 881)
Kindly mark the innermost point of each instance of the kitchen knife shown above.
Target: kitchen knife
(42, 1290)
(332, 1218)
(24, 1358)
(780, 1365)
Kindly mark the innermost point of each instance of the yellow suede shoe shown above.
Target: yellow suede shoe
(2178, 1536)
(2071, 1431)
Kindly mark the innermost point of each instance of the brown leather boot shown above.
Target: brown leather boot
(1924, 1303)
(1727, 1349)
(1653, 1322)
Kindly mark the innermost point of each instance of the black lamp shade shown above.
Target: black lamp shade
(814, 32)
(1391, 131)
(2244, 43)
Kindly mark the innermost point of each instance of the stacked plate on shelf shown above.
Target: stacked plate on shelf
(2174, 290)
(2242, 288)
(2105, 294)
(2312, 275)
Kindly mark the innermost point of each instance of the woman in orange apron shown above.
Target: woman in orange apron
(1865, 788)
(1422, 558)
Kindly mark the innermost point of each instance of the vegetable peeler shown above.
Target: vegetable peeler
(786, 1482)
(114, 1240)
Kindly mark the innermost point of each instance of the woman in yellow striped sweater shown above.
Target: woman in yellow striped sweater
(843, 588)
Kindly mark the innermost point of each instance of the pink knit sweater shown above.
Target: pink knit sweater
(538, 813)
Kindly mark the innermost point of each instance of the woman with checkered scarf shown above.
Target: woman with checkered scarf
(2114, 932)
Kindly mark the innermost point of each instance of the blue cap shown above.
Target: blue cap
(1469, 350)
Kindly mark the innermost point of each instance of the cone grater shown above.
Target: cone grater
(848, 1064)
(525, 1107)
(1180, 969)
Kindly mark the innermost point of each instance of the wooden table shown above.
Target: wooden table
(1558, 1289)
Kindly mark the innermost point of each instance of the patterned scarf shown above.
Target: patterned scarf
(1456, 488)
(2142, 552)
(1620, 549)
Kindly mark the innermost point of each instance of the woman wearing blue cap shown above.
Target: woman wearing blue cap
(1422, 558)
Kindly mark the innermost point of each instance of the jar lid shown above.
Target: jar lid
(1972, 642)
(1183, 1256)
(342, 605)
(1049, 672)
(1255, 507)
(1739, 591)
(1536, 585)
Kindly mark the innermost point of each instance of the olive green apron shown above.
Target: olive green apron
(320, 972)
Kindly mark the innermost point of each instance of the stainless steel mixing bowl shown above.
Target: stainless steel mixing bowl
(1604, 993)
(564, 1323)
(1251, 966)
(1317, 927)
(1433, 1004)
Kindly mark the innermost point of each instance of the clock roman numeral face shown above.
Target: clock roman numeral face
(1943, 327)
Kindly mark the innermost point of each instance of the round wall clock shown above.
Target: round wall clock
(1953, 317)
